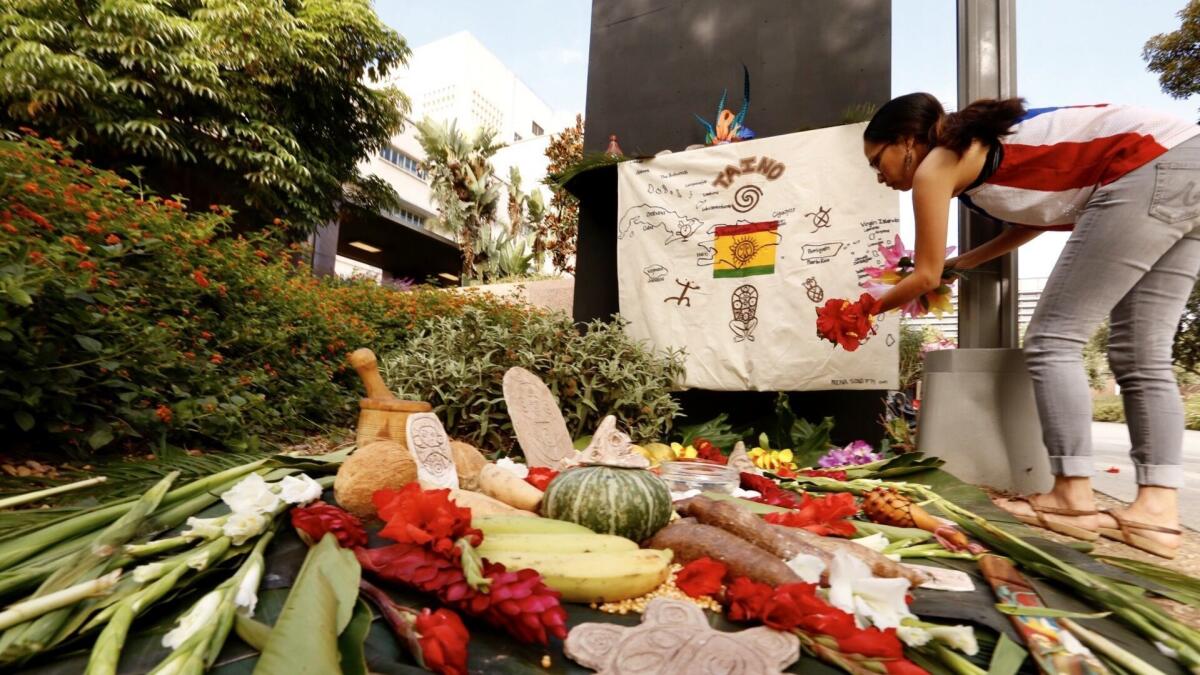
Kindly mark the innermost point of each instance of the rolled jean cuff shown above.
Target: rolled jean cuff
(1072, 466)
(1160, 475)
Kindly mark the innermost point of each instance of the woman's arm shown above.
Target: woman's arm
(933, 187)
(1008, 240)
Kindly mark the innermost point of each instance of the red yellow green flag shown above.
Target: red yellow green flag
(745, 250)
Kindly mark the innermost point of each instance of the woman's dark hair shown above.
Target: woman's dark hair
(921, 116)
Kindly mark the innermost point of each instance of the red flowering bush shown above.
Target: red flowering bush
(317, 519)
(129, 320)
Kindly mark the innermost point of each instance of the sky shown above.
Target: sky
(1068, 52)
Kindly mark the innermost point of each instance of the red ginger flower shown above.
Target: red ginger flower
(313, 521)
(820, 515)
(540, 477)
(517, 602)
(442, 641)
(424, 517)
(846, 323)
(702, 576)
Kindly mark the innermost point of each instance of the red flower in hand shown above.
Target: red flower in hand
(846, 323)
(820, 515)
(442, 639)
(540, 477)
(702, 576)
(424, 517)
(747, 599)
(313, 521)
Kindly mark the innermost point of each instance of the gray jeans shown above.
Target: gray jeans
(1134, 256)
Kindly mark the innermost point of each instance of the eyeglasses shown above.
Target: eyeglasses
(874, 161)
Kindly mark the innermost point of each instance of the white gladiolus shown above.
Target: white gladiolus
(148, 572)
(519, 470)
(808, 567)
(875, 542)
(853, 589)
(745, 494)
(299, 489)
(252, 494)
(246, 598)
(961, 638)
(205, 528)
(913, 636)
(242, 527)
(196, 618)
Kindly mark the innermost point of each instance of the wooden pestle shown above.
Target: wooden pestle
(365, 364)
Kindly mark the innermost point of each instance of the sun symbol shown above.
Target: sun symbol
(743, 250)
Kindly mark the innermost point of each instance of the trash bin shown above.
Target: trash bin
(977, 413)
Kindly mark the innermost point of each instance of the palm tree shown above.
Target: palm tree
(463, 182)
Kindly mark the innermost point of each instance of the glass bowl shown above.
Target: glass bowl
(682, 475)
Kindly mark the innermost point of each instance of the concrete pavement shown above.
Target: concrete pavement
(1111, 449)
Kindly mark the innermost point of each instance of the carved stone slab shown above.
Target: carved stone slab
(611, 447)
(674, 638)
(537, 419)
(429, 445)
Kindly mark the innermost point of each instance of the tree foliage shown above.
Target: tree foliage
(1175, 56)
(464, 184)
(559, 232)
(1187, 337)
(263, 105)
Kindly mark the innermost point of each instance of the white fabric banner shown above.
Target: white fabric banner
(727, 251)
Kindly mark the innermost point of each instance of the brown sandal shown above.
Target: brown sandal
(1124, 534)
(1039, 519)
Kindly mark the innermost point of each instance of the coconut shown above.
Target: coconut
(376, 465)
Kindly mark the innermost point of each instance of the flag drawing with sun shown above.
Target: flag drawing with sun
(727, 251)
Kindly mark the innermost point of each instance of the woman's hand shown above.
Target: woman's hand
(958, 262)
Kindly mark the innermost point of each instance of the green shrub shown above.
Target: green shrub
(1108, 409)
(458, 363)
(124, 317)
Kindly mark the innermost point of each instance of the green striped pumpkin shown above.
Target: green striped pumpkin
(632, 503)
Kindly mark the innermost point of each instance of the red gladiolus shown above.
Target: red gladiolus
(424, 517)
(540, 477)
(747, 599)
(706, 450)
(791, 605)
(825, 473)
(820, 515)
(904, 667)
(770, 493)
(846, 323)
(442, 639)
(873, 642)
(313, 521)
(701, 576)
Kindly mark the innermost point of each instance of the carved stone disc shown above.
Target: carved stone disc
(429, 445)
(537, 419)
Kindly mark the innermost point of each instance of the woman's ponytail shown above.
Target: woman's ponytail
(986, 120)
(921, 116)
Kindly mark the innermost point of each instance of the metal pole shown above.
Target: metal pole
(987, 68)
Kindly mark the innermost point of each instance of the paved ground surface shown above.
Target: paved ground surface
(1111, 449)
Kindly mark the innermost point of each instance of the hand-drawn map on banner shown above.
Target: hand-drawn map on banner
(727, 252)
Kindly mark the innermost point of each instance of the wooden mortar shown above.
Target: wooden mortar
(381, 414)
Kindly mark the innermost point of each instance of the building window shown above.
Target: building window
(516, 137)
(537, 130)
(408, 217)
(397, 158)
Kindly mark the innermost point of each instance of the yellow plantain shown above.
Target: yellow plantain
(595, 577)
(504, 524)
(555, 543)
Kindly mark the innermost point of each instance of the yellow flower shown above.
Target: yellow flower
(683, 453)
(772, 460)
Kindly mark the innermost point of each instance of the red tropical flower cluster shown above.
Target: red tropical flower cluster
(770, 493)
(820, 515)
(702, 576)
(706, 450)
(442, 640)
(315, 520)
(517, 602)
(798, 607)
(825, 473)
(424, 517)
(846, 323)
(540, 477)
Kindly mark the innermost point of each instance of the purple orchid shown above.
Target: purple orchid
(858, 452)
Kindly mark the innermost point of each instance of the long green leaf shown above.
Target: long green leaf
(1186, 589)
(319, 606)
(1021, 610)
(352, 641)
(1007, 658)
